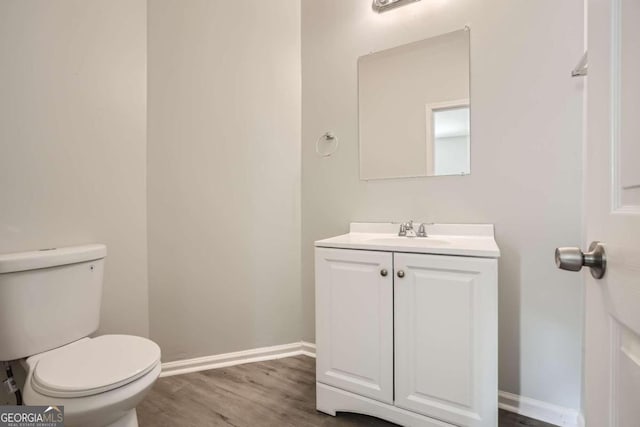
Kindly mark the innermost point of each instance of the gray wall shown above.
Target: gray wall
(224, 175)
(526, 162)
(73, 139)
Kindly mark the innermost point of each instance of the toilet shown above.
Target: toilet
(49, 306)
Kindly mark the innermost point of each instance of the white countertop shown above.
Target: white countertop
(476, 240)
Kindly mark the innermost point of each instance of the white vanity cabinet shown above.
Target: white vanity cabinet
(355, 321)
(405, 334)
(446, 337)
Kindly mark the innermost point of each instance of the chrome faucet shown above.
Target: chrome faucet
(406, 229)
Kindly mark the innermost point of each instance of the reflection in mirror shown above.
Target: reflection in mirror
(413, 107)
(448, 139)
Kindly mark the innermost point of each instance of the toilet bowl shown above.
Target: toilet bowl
(99, 381)
(49, 307)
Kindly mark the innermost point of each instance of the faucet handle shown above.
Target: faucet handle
(422, 232)
(403, 230)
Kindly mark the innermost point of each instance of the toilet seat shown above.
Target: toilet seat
(94, 366)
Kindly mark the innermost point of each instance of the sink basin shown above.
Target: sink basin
(444, 239)
(408, 241)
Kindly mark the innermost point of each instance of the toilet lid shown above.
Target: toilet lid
(94, 366)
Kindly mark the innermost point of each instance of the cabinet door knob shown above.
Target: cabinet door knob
(383, 272)
(401, 274)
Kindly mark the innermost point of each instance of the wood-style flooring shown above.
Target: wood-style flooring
(274, 393)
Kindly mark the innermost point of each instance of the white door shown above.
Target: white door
(354, 321)
(446, 338)
(612, 193)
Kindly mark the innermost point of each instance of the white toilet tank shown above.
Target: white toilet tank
(49, 298)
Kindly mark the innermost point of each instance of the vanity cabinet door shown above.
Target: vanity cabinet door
(446, 338)
(354, 321)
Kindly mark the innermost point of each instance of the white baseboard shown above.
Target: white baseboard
(538, 410)
(237, 358)
(308, 349)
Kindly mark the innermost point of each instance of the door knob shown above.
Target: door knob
(401, 274)
(573, 259)
(383, 272)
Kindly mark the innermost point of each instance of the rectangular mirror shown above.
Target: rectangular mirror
(413, 109)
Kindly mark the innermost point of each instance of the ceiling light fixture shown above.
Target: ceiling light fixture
(384, 5)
